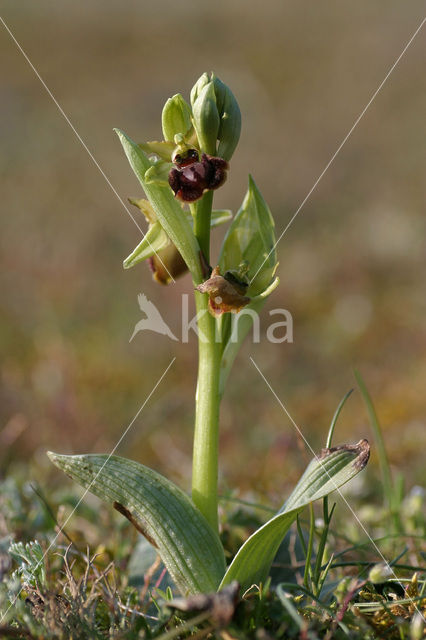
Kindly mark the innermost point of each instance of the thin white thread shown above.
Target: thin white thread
(80, 139)
(91, 483)
(342, 143)
(335, 485)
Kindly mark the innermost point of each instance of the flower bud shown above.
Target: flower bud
(230, 119)
(176, 117)
(206, 119)
(222, 120)
(379, 573)
(198, 86)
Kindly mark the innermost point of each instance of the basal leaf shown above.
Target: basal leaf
(188, 546)
(327, 472)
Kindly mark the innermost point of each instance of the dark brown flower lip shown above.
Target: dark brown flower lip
(191, 176)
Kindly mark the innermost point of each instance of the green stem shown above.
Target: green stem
(203, 210)
(207, 402)
(308, 568)
(206, 434)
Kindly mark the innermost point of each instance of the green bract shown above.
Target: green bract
(250, 241)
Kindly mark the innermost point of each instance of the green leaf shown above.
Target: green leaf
(327, 472)
(30, 559)
(163, 513)
(251, 240)
(167, 209)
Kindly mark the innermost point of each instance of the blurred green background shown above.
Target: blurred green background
(352, 265)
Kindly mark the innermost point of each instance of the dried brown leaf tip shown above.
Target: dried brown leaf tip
(225, 293)
(220, 606)
(361, 450)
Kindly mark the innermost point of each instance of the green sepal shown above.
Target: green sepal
(156, 238)
(161, 149)
(158, 173)
(166, 207)
(325, 473)
(251, 239)
(163, 513)
(153, 241)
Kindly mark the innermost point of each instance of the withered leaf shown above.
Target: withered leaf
(220, 606)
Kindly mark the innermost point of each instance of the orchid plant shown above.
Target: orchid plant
(179, 176)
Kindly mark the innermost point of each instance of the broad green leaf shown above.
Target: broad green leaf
(163, 513)
(250, 240)
(327, 472)
(166, 207)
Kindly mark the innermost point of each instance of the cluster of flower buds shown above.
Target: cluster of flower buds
(216, 116)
